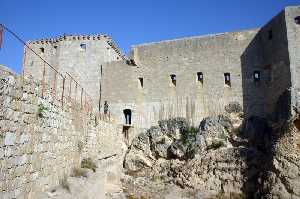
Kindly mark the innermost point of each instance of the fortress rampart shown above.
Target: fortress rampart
(190, 77)
(41, 142)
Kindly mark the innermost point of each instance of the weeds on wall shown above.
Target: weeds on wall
(89, 164)
(216, 144)
(79, 172)
(41, 112)
(189, 135)
(80, 146)
(64, 183)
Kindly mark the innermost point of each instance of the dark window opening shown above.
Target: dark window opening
(173, 79)
(270, 34)
(227, 79)
(42, 50)
(200, 77)
(127, 115)
(256, 76)
(141, 81)
(83, 46)
(297, 20)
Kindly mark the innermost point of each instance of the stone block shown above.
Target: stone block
(10, 139)
(8, 152)
(24, 138)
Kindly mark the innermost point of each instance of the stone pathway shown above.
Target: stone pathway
(103, 184)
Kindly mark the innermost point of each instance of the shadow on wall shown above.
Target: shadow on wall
(253, 90)
(266, 80)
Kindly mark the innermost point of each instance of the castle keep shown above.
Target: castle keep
(190, 77)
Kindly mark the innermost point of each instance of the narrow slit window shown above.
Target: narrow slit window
(42, 50)
(173, 79)
(297, 20)
(227, 79)
(256, 76)
(200, 77)
(83, 47)
(141, 80)
(270, 34)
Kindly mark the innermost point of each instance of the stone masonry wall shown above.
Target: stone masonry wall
(66, 55)
(293, 37)
(40, 141)
(212, 55)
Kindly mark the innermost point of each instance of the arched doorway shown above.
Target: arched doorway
(127, 115)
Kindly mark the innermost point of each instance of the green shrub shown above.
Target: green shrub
(216, 144)
(41, 110)
(189, 135)
(89, 164)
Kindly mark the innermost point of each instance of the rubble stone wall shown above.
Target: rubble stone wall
(41, 141)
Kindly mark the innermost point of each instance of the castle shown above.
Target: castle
(190, 77)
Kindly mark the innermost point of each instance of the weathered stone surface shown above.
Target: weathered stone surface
(37, 150)
(9, 139)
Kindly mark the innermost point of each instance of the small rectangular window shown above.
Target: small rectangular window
(141, 82)
(200, 77)
(42, 50)
(256, 76)
(297, 20)
(83, 47)
(173, 79)
(270, 34)
(227, 79)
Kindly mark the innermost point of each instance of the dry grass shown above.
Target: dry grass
(133, 197)
(222, 195)
(64, 183)
(79, 172)
(89, 164)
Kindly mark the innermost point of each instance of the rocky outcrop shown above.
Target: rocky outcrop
(282, 171)
(202, 158)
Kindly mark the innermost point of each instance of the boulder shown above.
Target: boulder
(177, 150)
(160, 142)
(213, 131)
(139, 155)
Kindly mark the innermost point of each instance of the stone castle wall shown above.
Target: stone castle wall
(41, 141)
(265, 50)
(67, 55)
(213, 55)
(293, 39)
(105, 74)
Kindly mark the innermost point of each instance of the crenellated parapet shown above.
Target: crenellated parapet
(69, 38)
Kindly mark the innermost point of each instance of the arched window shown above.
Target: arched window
(127, 116)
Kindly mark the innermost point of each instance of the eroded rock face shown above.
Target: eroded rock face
(282, 173)
(193, 158)
(224, 155)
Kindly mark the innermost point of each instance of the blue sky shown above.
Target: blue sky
(128, 22)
